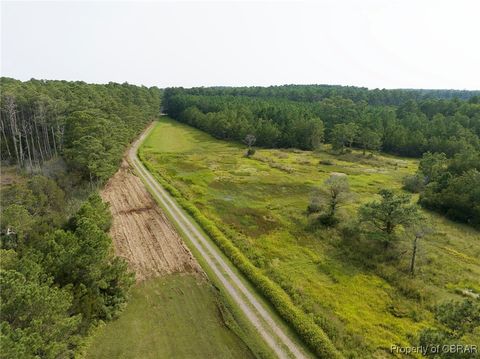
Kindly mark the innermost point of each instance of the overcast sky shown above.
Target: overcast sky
(372, 43)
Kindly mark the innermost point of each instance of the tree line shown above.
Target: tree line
(59, 276)
(312, 93)
(449, 185)
(88, 125)
(409, 129)
(417, 125)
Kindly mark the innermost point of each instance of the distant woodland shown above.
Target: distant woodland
(88, 125)
(443, 126)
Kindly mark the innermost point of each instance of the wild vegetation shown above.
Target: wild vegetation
(459, 323)
(59, 276)
(351, 276)
(401, 122)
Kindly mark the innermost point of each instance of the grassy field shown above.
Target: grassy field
(364, 302)
(178, 316)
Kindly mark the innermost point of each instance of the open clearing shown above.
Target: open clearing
(140, 230)
(259, 203)
(174, 312)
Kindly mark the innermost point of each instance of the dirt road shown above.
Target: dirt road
(275, 336)
(140, 230)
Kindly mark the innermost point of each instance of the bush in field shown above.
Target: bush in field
(249, 140)
(343, 135)
(414, 184)
(326, 162)
(327, 219)
(250, 152)
(315, 205)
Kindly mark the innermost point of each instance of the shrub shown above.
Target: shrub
(414, 183)
(350, 229)
(326, 162)
(327, 219)
(250, 152)
(314, 206)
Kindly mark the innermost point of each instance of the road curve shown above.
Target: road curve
(274, 335)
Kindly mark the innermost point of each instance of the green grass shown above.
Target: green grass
(178, 316)
(175, 139)
(363, 303)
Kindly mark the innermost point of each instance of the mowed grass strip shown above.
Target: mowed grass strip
(174, 138)
(178, 316)
(259, 203)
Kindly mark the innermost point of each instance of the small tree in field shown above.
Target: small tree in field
(391, 211)
(335, 193)
(337, 189)
(250, 140)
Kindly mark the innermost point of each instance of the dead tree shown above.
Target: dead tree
(4, 135)
(25, 130)
(11, 111)
(419, 231)
(250, 140)
(37, 135)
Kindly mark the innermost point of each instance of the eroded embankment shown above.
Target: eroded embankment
(140, 230)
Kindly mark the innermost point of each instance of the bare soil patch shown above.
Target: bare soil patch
(141, 232)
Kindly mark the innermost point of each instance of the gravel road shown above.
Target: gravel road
(274, 335)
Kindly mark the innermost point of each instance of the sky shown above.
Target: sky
(370, 43)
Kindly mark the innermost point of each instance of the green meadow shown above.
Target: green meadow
(362, 297)
(178, 316)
